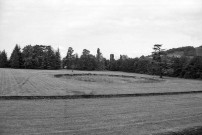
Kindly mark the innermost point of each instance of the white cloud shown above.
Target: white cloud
(115, 26)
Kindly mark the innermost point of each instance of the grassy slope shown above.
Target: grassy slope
(140, 115)
(42, 82)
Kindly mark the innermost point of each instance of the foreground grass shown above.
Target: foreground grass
(135, 116)
(187, 131)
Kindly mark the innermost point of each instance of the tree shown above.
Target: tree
(112, 63)
(106, 63)
(16, 58)
(178, 65)
(76, 61)
(142, 65)
(99, 60)
(39, 59)
(87, 61)
(68, 60)
(57, 59)
(27, 56)
(49, 58)
(194, 68)
(122, 63)
(35, 57)
(3, 59)
(157, 57)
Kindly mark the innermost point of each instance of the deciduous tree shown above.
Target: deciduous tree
(69, 59)
(87, 61)
(99, 61)
(27, 56)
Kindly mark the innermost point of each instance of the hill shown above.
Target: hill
(189, 51)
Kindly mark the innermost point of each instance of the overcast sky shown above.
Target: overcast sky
(128, 27)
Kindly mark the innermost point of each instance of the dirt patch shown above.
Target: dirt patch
(107, 78)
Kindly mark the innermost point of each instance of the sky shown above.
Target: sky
(127, 27)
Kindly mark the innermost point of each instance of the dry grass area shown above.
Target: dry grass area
(134, 115)
(43, 82)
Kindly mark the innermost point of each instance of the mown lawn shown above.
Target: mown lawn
(23, 82)
(134, 115)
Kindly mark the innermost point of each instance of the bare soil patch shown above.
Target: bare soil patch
(109, 78)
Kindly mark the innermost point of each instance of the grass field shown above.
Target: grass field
(145, 115)
(134, 115)
(43, 82)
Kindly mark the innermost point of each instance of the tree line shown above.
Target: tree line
(32, 57)
(158, 63)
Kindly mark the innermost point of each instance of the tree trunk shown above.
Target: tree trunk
(161, 73)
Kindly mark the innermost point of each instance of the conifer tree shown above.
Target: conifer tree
(57, 59)
(16, 58)
(157, 57)
(3, 59)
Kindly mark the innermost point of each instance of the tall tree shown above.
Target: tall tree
(99, 60)
(27, 56)
(39, 56)
(87, 61)
(16, 58)
(112, 63)
(3, 59)
(76, 61)
(57, 59)
(68, 61)
(157, 57)
(49, 58)
(122, 62)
